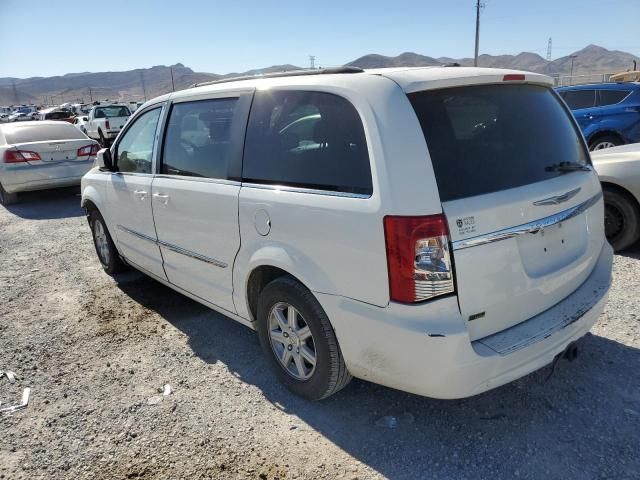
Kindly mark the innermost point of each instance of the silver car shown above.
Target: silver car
(40, 155)
(619, 172)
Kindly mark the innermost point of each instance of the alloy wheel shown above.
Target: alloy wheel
(102, 243)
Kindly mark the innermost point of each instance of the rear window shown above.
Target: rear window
(110, 112)
(306, 139)
(611, 97)
(488, 138)
(41, 133)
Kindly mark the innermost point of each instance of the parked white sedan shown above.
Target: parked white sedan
(40, 155)
(619, 172)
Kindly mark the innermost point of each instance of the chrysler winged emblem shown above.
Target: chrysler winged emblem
(558, 199)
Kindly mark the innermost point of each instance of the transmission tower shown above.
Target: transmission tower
(312, 62)
(549, 44)
(15, 92)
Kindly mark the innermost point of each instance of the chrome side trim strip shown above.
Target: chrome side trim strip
(313, 191)
(189, 253)
(531, 227)
(137, 234)
(174, 248)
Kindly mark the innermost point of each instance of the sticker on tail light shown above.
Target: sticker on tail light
(418, 257)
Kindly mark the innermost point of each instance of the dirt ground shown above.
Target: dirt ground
(96, 352)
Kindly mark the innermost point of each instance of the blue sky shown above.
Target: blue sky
(54, 37)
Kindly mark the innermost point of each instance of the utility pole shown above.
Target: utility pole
(312, 62)
(572, 57)
(549, 44)
(90, 95)
(479, 5)
(15, 92)
(144, 90)
(173, 87)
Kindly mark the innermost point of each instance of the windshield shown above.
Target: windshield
(487, 138)
(110, 112)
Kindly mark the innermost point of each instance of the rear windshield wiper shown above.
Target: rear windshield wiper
(567, 167)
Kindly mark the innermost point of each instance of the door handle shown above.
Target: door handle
(141, 194)
(164, 199)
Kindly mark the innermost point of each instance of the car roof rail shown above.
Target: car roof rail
(290, 73)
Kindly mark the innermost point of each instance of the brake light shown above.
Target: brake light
(418, 257)
(20, 156)
(513, 77)
(88, 151)
(106, 124)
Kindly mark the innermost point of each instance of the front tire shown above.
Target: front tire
(621, 219)
(7, 198)
(299, 341)
(105, 248)
(601, 143)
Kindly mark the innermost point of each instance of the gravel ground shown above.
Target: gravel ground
(96, 351)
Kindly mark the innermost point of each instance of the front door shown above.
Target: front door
(130, 194)
(195, 194)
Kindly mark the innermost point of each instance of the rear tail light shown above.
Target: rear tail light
(418, 257)
(511, 77)
(106, 124)
(88, 151)
(20, 156)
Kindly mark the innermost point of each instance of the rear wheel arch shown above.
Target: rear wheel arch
(605, 133)
(622, 216)
(606, 185)
(258, 279)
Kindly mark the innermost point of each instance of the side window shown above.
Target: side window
(306, 139)
(135, 149)
(577, 99)
(611, 97)
(198, 140)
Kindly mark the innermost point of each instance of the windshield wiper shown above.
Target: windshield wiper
(568, 167)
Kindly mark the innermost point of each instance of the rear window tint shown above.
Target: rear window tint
(111, 112)
(611, 97)
(306, 139)
(42, 132)
(488, 138)
(577, 99)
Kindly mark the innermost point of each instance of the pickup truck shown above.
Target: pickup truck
(106, 121)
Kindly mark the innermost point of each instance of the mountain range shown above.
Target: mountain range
(151, 82)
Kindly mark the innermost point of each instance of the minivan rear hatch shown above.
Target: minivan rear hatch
(523, 206)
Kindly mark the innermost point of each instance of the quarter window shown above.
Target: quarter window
(306, 139)
(135, 149)
(611, 97)
(577, 99)
(198, 140)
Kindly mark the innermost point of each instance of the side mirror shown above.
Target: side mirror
(104, 160)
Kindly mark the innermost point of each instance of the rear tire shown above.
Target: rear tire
(621, 219)
(103, 141)
(7, 198)
(606, 141)
(105, 248)
(315, 339)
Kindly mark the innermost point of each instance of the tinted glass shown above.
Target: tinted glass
(113, 111)
(198, 139)
(577, 99)
(135, 148)
(306, 139)
(41, 132)
(487, 138)
(611, 97)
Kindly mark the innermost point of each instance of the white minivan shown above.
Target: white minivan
(437, 230)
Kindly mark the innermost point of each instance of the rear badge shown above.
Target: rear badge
(466, 225)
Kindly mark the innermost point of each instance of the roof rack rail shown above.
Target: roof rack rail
(290, 73)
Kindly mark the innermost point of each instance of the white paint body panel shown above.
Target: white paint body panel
(334, 244)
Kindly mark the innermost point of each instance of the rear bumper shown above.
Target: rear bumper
(426, 350)
(23, 178)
